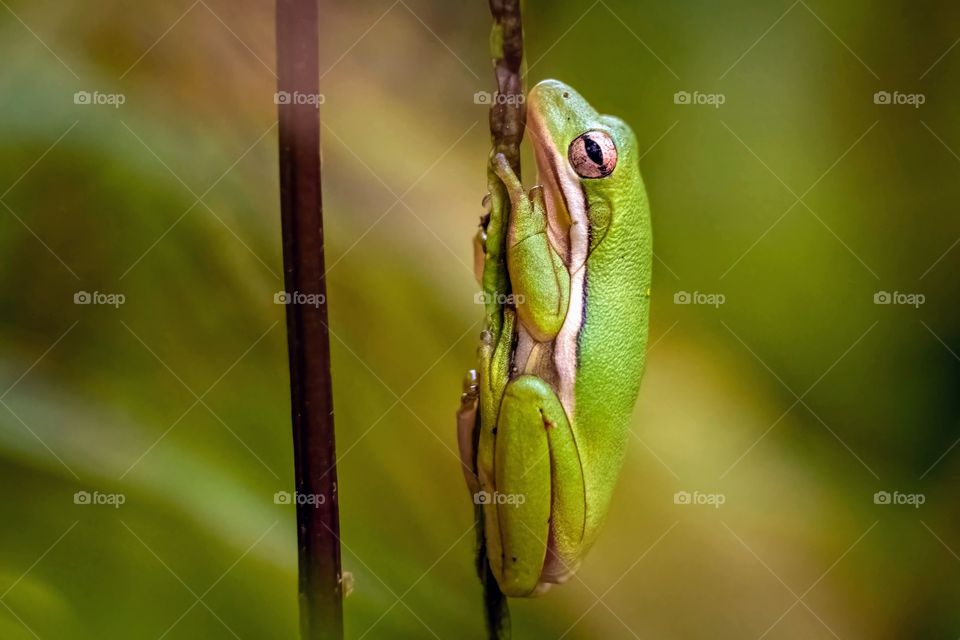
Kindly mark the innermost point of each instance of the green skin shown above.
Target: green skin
(560, 361)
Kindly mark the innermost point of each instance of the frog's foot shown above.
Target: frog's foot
(479, 254)
(537, 509)
(480, 240)
(467, 417)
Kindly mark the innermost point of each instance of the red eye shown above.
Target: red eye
(593, 155)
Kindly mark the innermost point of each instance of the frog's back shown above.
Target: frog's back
(611, 347)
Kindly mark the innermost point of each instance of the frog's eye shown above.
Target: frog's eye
(593, 155)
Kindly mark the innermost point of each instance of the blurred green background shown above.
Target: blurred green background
(793, 403)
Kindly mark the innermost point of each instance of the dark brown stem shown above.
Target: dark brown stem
(507, 121)
(508, 114)
(311, 392)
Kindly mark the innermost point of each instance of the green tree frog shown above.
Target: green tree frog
(566, 270)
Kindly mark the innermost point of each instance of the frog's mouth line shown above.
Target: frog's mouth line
(566, 204)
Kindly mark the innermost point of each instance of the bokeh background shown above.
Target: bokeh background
(794, 202)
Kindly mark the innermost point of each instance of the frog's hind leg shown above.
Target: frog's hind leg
(539, 497)
(467, 430)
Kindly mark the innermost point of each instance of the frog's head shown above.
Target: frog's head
(584, 160)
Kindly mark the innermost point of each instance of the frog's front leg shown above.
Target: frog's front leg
(539, 492)
(540, 280)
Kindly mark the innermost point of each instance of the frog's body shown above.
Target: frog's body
(561, 369)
